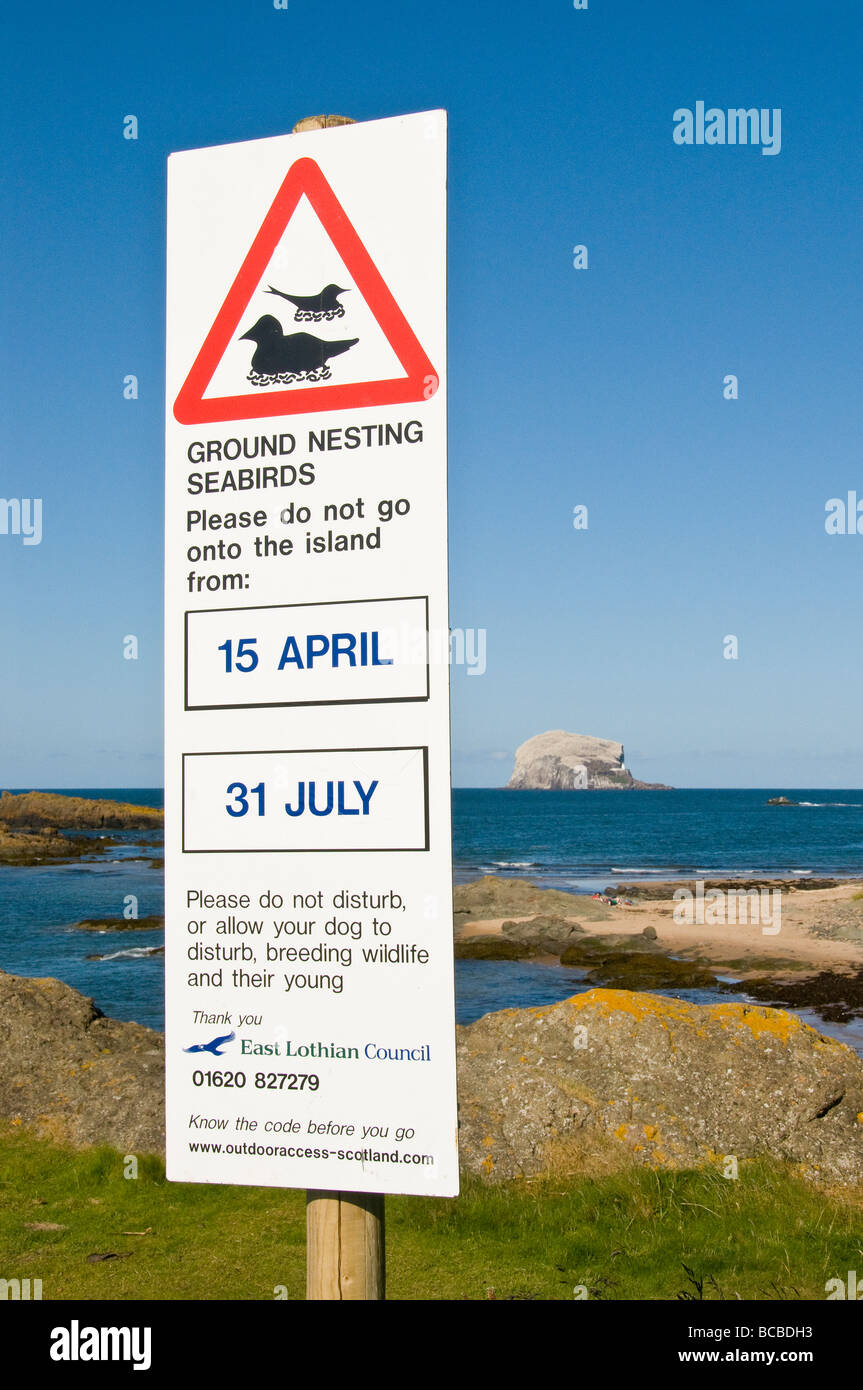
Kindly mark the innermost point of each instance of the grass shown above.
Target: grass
(634, 1235)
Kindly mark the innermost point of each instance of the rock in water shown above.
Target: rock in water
(656, 1081)
(561, 762)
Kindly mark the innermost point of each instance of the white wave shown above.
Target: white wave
(134, 952)
(851, 805)
(629, 869)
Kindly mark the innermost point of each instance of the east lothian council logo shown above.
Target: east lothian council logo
(215, 1047)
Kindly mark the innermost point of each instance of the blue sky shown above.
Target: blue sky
(602, 387)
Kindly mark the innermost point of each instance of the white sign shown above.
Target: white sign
(309, 961)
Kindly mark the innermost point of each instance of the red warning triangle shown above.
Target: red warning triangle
(421, 382)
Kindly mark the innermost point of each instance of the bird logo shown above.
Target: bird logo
(215, 1047)
(286, 357)
(314, 307)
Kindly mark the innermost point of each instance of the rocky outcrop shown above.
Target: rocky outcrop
(562, 762)
(655, 1081)
(44, 846)
(646, 892)
(35, 826)
(490, 897)
(32, 811)
(74, 1075)
(554, 930)
(155, 922)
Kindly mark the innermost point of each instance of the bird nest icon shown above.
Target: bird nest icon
(284, 358)
(312, 308)
(315, 316)
(285, 378)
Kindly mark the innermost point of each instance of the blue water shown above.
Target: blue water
(582, 841)
(561, 839)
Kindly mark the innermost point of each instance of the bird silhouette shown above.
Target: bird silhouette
(315, 306)
(290, 355)
(214, 1046)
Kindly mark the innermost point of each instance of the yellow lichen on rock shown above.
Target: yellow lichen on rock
(761, 1021)
(636, 1006)
(663, 1082)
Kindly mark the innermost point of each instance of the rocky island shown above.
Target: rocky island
(561, 762)
(46, 827)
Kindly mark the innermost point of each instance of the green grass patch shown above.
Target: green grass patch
(639, 1234)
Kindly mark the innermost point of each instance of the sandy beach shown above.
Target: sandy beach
(819, 929)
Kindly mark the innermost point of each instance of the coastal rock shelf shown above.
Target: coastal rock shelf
(35, 826)
(35, 810)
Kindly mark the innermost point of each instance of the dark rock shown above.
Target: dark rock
(23, 848)
(631, 962)
(595, 950)
(542, 929)
(651, 891)
(633, 970)
(110, 924)
(837, 998)
(496, 948)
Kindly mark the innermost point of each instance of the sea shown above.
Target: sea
(577, 842)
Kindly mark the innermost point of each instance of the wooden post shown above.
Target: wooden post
(345, 1255)
(321, 123)
(345, 1249)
